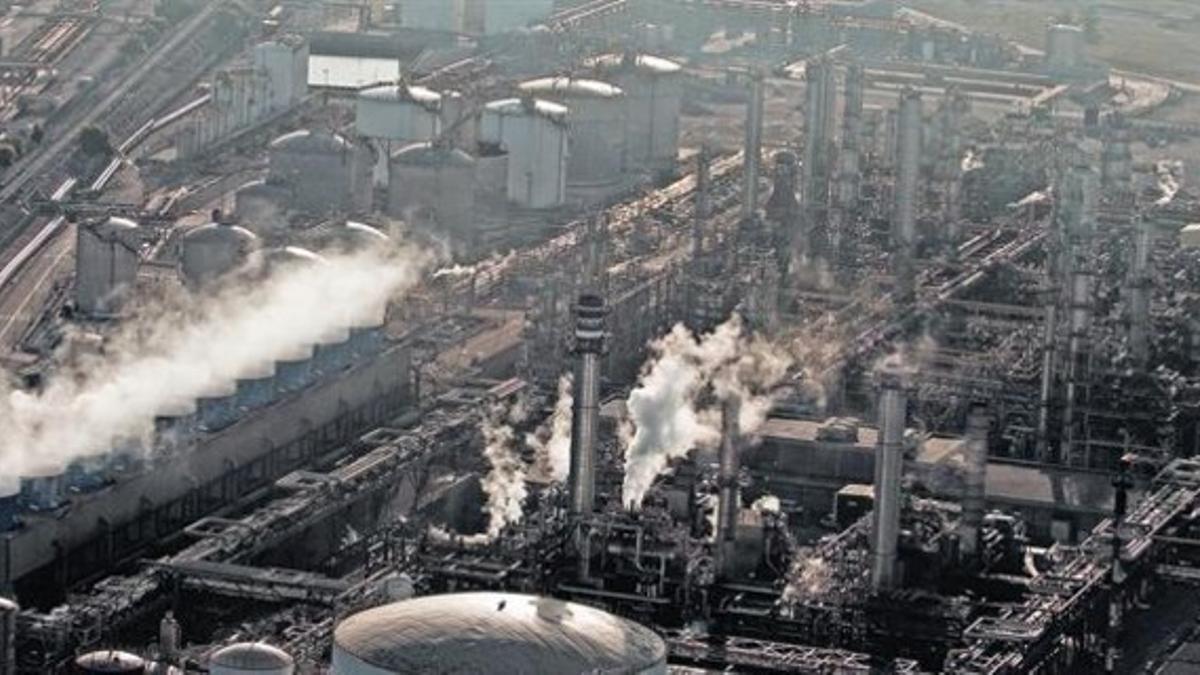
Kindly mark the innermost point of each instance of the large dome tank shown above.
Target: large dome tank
(251, 658)
(653, 97)
(109, 662)
(106, 263)
(262, 207)
(596, 131)
(434, 178)
(398, 112)
(493, 632)
(211, 251)
(534, 134)
(326, 172)
(356, 236)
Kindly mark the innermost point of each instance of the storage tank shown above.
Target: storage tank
(106, 262)
(262, 207)
(1064, 47)
(109, 661)
(8, 636)
(491, 172)
(211, 251)
(653, 89)
(356, 236)
(534, 134)
(43, 487)
(256, 387)
(251, 658)
(327, 173)
(436, 178)
(398, 112)
(596, 133)
(493, 632)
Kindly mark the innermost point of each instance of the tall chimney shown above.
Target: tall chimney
(1140, 284)
(889, 466)
(819, 96)
(1078, 362)
(976, 476)
(727, 481)
(700, 209)
(847, 184)
(591, 311)
(908, 170)
(753, 150)
(1049, 366)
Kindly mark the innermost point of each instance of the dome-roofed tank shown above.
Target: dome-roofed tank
(435, 178)
(653, 97)
(106, 262)
(493, 632)
(356, 236)
(398, 112)
(596, 131)
(261, 206)
(534, 134)
(286, 256)
(251, 658)
(110, 661)
(325, 171)
(211, 251)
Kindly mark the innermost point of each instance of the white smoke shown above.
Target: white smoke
(190, 348)
(667, 416)
(551, 443)
(504, 484)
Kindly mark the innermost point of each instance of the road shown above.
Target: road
(23, 301)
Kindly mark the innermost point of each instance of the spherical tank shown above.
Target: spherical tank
(493, 632)
(534, 134)
(211, 251)
(653, 96)
(326, 172)
(398, 112)
(596, 132)
(251, 658)
(106, 262)
(262, 207)
(439, 179)
(109, 661)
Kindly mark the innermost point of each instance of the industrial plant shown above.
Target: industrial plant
(829, 337)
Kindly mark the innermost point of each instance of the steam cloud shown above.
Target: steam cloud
(551, 443)
(190, 348)
(504, 483)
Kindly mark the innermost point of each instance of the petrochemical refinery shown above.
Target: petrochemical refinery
(597, 336)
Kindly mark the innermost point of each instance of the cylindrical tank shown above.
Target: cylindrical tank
(596, 131)
(106, 262)
(251, 658)
(108, 662)
(534, 134)
(477, 632)
(439, 179)
(8, 636)
(256, 387)
(326, 172)
(211, 251)
(294, 371)
(287, 256)
(43, 487)
(357, 236)
(1064, 47)
(653, 96)
(398, 112)
(491, 172)
(262, 207)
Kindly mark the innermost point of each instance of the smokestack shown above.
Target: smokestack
(949, 165)
(889, 465)
(1140, 284)
(727, 481)
(908, 169)
(753, 150)
(1078, 361)
(8, 636)
(700, 209)
(1049, 366)
(819, 95)
(846, 190)
(590, 313)
(976, 475)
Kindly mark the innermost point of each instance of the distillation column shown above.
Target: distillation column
(1078, 366)
(727, 482)
(848, 179)
(591, 311)
(974, 494)
(820, 95)
(1140, 285)
(700, 208)
(889, 465)
(908, 170)
(949, 165)
(753, 149)
(1049, 366)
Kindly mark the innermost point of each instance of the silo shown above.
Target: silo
(479, 632)
(491, 172)
(251, 658)
(211, 251)
(256, 387)
(438, 179)
(43, 486)
(8, 636)
(534, 134)
(326, 172)
(110, 662)
(294, 370)
(398, 112)
(262, 207)
(106, 262)
(596, 132)
(653, 96)
(217, 408)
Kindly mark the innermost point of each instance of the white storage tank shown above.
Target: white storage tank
(262, 207)
(493, 632)
(534, 134)
(398, 112)
(596, 132)
(110, 661)
(106, 264)
(653, 97)
(251, 658)
(356, 236)
(491, 172)
(211, 251)
(438, 179)
(327, 173)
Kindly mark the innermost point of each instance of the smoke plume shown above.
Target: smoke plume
(189, 348)
(504, 483)
(551, 443)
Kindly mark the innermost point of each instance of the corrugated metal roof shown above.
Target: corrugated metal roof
(496, 632)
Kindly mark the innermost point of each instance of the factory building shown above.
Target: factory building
(533, 134)
(106, 265)
(477, 632)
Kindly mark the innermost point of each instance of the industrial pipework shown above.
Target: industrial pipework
(889, 466)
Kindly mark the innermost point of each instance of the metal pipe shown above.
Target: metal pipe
(753, 149)
(889, 462)
(727, 481)
(976, 446)
(908, 169)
